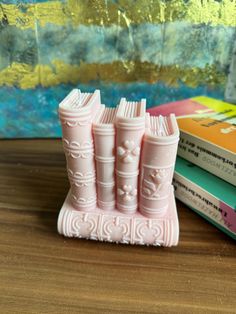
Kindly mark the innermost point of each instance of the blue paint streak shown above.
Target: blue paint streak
(185, 44)
(33, 113)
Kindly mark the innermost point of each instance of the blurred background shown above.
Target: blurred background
(161, 50)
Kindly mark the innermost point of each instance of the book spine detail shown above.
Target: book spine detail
(104, 140)
(78, 145)
(130, 126)
(157, 167)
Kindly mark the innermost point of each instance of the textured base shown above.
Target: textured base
(113, 226)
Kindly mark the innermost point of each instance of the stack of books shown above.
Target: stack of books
(205, 171)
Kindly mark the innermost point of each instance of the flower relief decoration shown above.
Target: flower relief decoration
(155, 187)
(127, 192)
(128, 151)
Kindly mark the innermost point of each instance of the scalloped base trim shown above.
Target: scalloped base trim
(113, 226)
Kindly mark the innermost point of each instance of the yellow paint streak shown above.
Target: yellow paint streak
(123, 13)
(26, 76)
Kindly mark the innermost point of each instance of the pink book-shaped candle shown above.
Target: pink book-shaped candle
(104, 142)
(157, 164)
(76, 112)
(130, 126)
(157, 221)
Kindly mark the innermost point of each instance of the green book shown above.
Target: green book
(209, 196)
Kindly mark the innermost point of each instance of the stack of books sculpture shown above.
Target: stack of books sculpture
(120, 164)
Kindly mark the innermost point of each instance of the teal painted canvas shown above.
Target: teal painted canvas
(161, 50)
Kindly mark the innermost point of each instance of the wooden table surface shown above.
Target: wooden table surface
(43, 272)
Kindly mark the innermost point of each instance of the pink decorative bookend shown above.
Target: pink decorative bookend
(120, 165)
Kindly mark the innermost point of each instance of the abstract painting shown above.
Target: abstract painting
(162, 50)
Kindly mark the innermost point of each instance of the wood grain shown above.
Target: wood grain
(43, 272)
